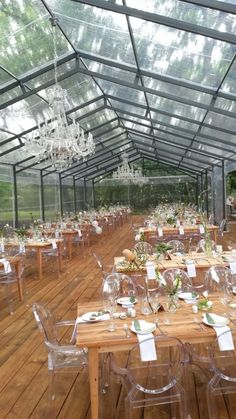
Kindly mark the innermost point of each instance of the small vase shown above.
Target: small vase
(172, 303)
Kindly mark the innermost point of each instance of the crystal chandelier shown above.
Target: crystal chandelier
(58, 141)
(127, 174)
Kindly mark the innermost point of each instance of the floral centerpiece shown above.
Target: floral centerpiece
(172, 284)
(162, 249)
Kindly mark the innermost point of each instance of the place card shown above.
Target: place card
(160, 231)
(191, 270)
(54, 244)
(232, 266)
(201, 229)
(151, 272)
(181, 230)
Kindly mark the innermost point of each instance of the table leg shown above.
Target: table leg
(18, 268)
(60, 256)
(93, 380)
(39, 263)
(215, 235)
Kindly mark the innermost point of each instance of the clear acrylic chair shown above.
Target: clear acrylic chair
(176, 246)
(222, 227)
(223, 382)
(170, 275)
(158, 382)
(61, 357)
(101, 266)
(144, 248)
(9, 277)
(218, 278)
(200, 248)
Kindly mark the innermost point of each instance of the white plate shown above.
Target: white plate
(187, 296)
(88, 317)
(148, 328)
(126, 301)
(220, 321)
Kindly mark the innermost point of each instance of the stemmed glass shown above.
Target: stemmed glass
(110, 291)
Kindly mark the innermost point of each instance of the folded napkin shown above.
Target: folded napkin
(147, 347)
(7, 266)
(81, 320)
(225, 341)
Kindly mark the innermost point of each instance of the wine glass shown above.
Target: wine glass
(110, 291)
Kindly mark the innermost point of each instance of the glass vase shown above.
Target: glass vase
(172, 303)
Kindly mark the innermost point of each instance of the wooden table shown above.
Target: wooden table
(202, 263)
(39, 247)
(174, 231)
(98, 340)
(18, 264)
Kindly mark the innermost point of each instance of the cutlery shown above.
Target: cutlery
(127, 331)
(158, 327)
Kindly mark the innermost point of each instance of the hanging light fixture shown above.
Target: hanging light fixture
(58, 141)
(127, 174)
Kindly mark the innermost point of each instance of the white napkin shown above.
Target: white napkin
(7, 266)
(147, 349)
(2, 247)
(79, 232)
(81, 320)
(226, 341)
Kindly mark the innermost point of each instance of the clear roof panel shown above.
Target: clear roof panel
(229, 84)
(175, 107)
(163, 86)
(127, 107)
(176, 90)
(95, 30)
(26, 114)
(181, 54)
(19, 40)
(181, 10)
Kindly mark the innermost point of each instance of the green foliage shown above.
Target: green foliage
(162, 248)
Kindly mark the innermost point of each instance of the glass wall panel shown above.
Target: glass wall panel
(51, 192)
(79, 190)
(28, 196)
(89, 195)
(6, 195)
(67, 191)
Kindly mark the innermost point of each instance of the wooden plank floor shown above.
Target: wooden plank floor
(23, 358)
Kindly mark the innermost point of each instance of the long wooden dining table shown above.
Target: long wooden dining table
(188, 230)
(202, 264)
(182, 324)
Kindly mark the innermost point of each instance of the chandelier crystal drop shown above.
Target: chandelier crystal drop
(57, 140)
(127, 174)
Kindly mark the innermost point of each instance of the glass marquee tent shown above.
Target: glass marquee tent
(153, 78)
